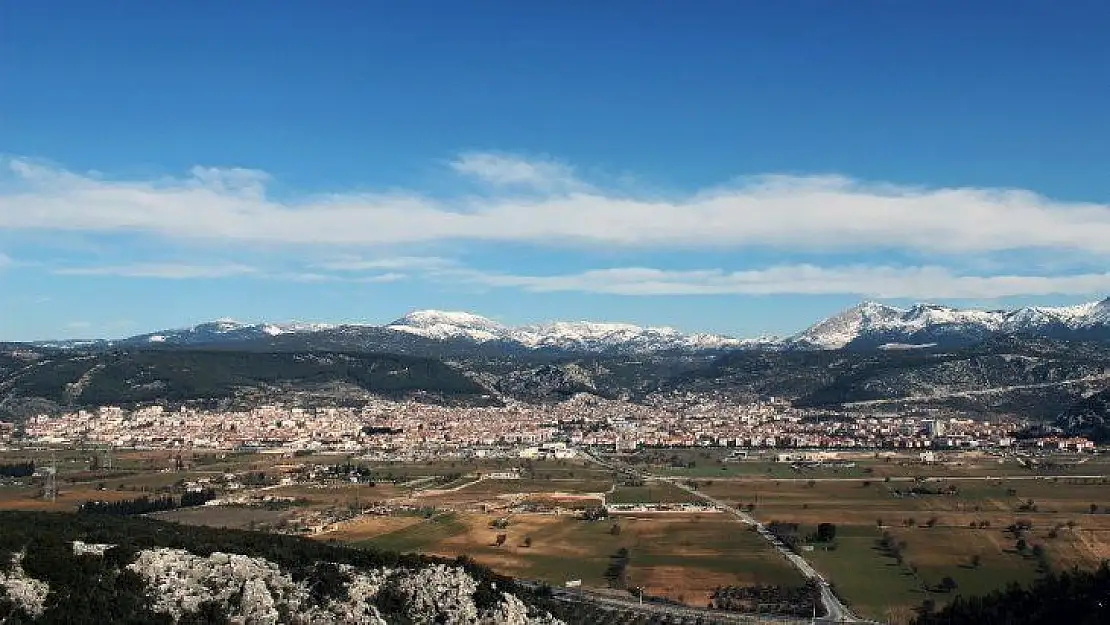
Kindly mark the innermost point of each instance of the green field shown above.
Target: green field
(653, 492)
(419, 537)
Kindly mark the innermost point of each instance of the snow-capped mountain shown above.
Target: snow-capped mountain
(453, 333)
(868, 325)
(570, 336)
(872, 325)
(223, 331)
(441, 325)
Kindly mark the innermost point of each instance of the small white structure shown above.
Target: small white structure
(547, 451)
(95, 549)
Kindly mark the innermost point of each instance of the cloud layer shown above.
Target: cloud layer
(787, 212)
(542, 203)
(878, 282)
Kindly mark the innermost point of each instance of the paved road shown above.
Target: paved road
(835, 610)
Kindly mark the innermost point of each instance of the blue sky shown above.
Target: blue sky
(737, 167)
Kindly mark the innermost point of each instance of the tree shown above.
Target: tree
(947, 584)
(826, 532)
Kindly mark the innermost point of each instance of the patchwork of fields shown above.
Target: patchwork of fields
(903, 531)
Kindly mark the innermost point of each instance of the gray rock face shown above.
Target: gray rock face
(255, 591)
(26, 592)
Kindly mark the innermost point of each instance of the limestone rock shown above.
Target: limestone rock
(26, 592)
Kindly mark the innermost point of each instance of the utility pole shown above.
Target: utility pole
(50, 488)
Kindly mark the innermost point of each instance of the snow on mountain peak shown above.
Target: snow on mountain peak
(841, 329)
(442, 325)
(924, 322)
(868, 324)
(427, 318)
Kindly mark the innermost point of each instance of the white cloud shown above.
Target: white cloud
(383, 278)
(868, 281)
(171, 271)
(355, 263)
(509, 171)
(786, 212)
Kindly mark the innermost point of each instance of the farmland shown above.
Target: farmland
(962, 529)
(683, 557)
(906, 531)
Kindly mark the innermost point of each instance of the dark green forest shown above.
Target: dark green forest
(1071, 597)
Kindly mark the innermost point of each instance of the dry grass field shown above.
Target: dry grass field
(680, 556)
(368, 527)
(231, 517)
(498, 493)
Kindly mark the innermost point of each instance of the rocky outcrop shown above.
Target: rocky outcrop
(24, 592)
(255, 591)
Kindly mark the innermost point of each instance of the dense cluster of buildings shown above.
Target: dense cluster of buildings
(386, 426)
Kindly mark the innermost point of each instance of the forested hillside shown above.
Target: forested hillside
(79, 379)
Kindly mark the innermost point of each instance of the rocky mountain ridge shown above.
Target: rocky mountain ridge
(868, 325)
(875, 325)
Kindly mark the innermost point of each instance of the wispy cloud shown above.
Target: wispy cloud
(355, 263)
(815, 213)
(382, 278)
(169, 271)
(504, 170)
(869, 281)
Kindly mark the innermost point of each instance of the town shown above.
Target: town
(412, 428)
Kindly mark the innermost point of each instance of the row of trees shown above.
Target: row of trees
(146, 505)
(617, 572)
(17, 469)
(790, 534)
(787, 600)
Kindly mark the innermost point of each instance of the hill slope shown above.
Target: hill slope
(30, 379)
(129, 570)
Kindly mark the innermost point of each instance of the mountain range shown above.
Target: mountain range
(868, 325)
